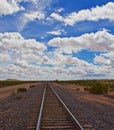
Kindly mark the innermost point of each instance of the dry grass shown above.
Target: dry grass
(7, 91)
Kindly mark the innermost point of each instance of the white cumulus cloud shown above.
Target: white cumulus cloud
(34, 15)
(13, 46)
(93, 14)
(10, 7)
(56, 32)
(15, 41)
(4, 57)
(102, 60)
(101, 41)
(57, 16)
(36, 11)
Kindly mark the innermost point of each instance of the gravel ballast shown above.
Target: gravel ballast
(99, 116)
(16, 110)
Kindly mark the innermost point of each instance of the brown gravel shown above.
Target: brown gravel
(85, 95)
(94, 110)
(16, 111)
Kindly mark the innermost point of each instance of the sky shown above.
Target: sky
(56, 39)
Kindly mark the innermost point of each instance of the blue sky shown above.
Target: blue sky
(60, 39)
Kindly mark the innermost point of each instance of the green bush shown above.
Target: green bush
(21, 90)
(98, 88)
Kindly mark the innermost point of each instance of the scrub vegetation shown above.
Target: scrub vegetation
(14, 82)
(19, 90)
(93, 86)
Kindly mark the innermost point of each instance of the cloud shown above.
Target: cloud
(4, 57)
(56, 32)
(81, 70)
(29, 60)
(22, 54)
(103, 66)
(35, 11)
(60, 60)
(105, 59)
(93, 14)
(60, 10)
(77, 69)
(14, 41)
(102, 60)
(30, 16)
(21, 63)
(34, 15)
(101, 41)
(57, 17)
(23, 58)
(13, 46)
(109, 55)
(10, 7)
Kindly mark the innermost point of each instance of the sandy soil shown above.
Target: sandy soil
(7, 91)
(82, 94)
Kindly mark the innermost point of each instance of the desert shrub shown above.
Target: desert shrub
(112, 85)
(13, 93)
(32, 86)
(77, 89)
(98, 88)
(5, 83)
(57, 81)
(86, 88)
(21, 90)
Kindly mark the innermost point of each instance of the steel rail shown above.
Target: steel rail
(41, 109)
(66, 108)
(72, 116)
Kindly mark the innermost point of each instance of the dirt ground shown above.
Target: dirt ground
(96, 98)
(8, 90)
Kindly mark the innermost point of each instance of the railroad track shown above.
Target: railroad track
(54, 114)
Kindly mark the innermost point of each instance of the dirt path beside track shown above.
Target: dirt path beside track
(8, 90)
